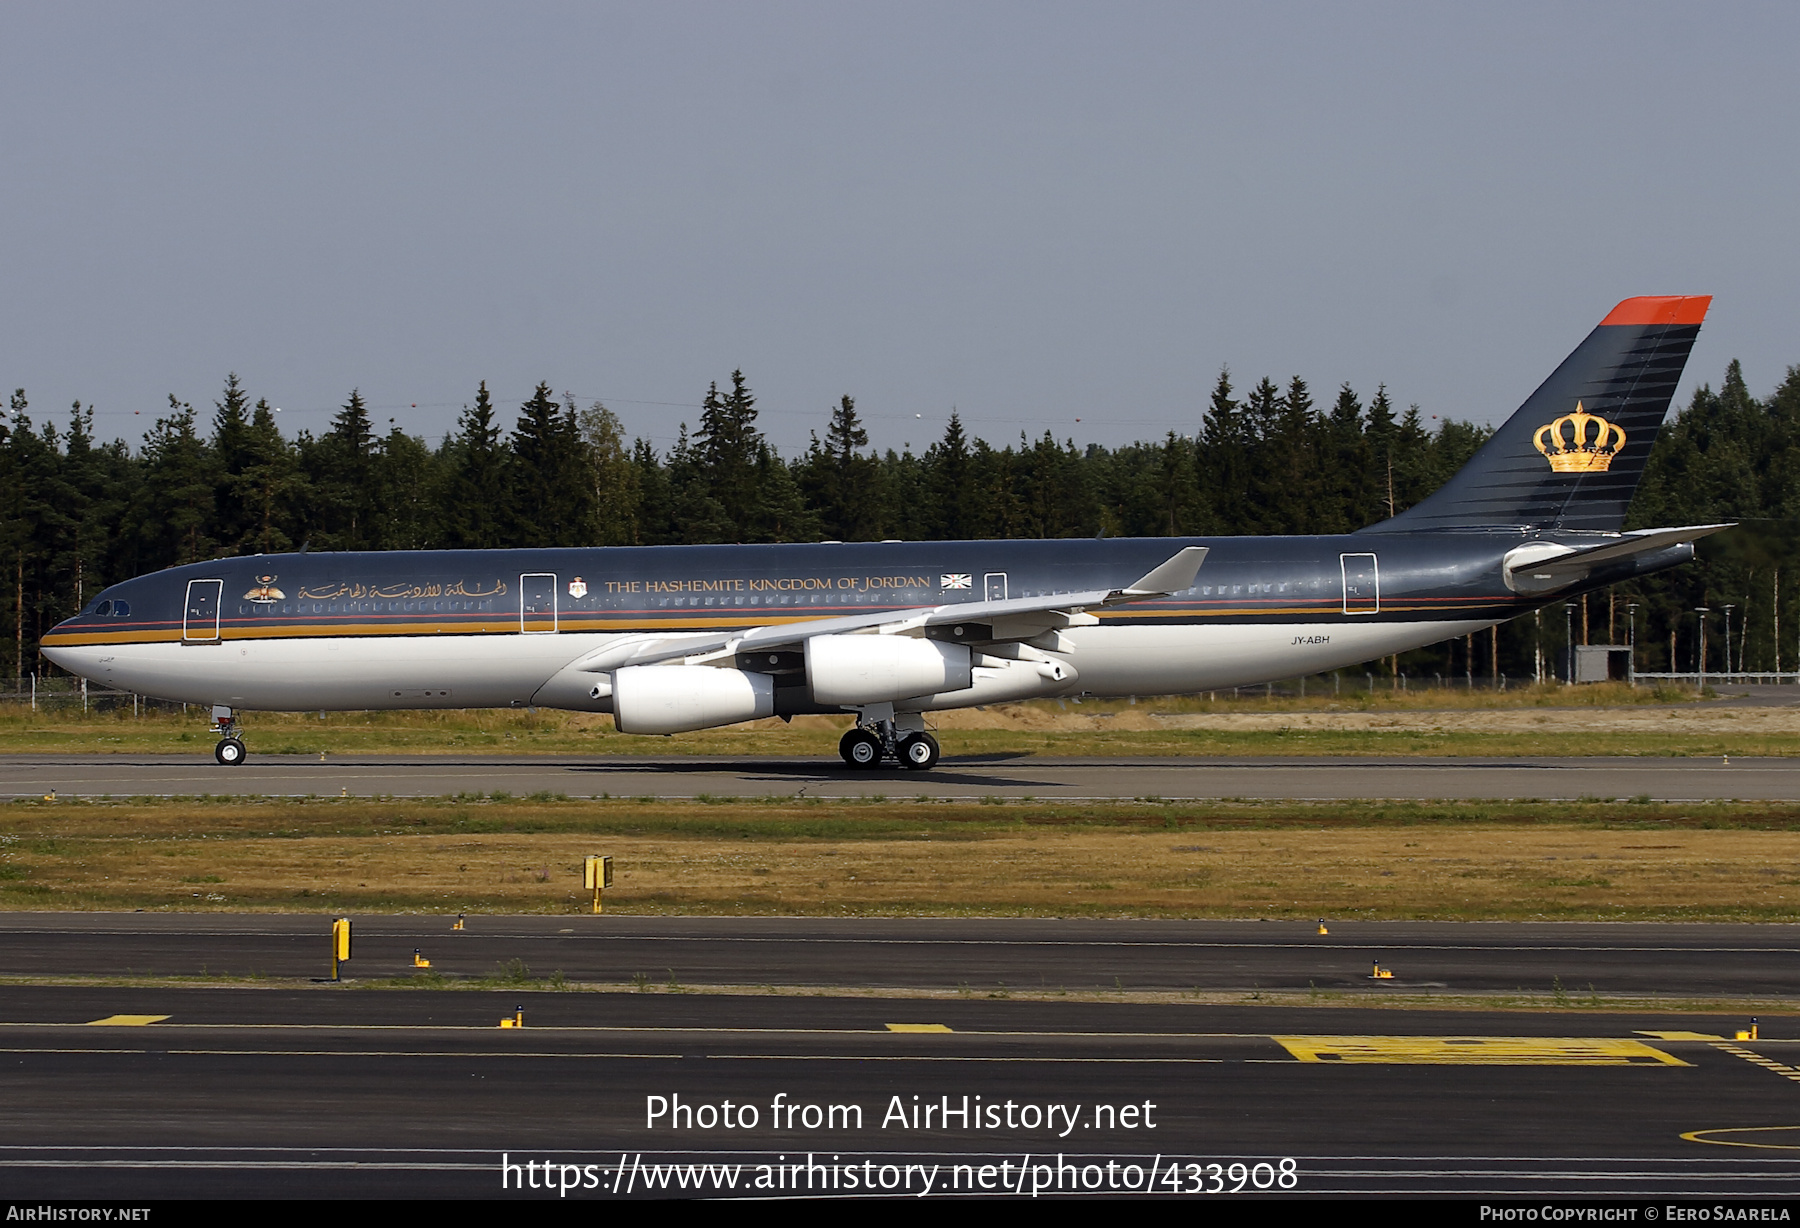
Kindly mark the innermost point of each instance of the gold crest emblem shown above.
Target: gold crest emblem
(1579, 442)
(265, 592)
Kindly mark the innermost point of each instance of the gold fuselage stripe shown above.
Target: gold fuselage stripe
(648, 622)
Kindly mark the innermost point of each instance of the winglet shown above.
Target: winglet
(1171, 576)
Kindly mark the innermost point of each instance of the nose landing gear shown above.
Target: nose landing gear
(230, 750)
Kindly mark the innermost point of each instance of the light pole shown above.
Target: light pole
(1728, 610)
(1631, 642)
(1568, 643)
(1700, 671)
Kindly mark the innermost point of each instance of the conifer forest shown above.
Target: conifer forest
(79, 513)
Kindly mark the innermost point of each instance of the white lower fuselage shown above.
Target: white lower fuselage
(491, 671)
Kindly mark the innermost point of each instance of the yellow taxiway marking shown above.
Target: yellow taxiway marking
(1477, 1050)
(1679, 1035)
(1710, 1136)
(917, 1027)
(125, 1021)
(1769, 1064)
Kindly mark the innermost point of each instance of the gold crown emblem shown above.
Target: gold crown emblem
(1588, 445)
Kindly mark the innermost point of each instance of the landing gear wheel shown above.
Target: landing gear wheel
(920, 752)
(229, 751)
(860, 749)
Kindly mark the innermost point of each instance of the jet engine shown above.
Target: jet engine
(869, 669)
(677, 698)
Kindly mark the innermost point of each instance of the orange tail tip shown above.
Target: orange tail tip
(1665, 309)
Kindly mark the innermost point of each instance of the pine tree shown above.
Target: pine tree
(341, 467)
(948, 479)
(1224, 460)
(728, 447)
(552, 487)
(839, 481)
(269, 486)
(231, 444)
(473, 505)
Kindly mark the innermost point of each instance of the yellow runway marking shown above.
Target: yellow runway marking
(1679, 1035)
(125, 1021)
(917, 1027)
(1769, 1064)
(1477, 1050)
(1706, 1136)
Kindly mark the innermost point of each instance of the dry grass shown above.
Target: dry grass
(1369, 860)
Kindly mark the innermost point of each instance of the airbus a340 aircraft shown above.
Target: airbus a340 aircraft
(674, 638)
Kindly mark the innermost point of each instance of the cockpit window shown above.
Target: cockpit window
(121, 609)
(103, 609)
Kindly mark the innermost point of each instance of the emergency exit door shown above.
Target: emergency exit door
(537, 603)
(1362, 583)
(200, 620)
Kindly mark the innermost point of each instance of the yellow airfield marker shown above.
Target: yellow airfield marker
(917, 1027)
(1747, 1136)
(1678, 1035)
(125, 1021)
(1477, 1050)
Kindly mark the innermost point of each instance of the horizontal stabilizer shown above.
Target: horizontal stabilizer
(1542, 566)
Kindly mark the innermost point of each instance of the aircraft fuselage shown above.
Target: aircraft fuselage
(456, 629)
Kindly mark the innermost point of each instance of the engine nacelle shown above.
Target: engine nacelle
(999, 681)
(677, 698)
(845, 670)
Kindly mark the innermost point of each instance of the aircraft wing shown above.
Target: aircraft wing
(1017, 618)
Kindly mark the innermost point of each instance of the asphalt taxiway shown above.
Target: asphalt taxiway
(966, 777)
(134, 1092)
(977, 956)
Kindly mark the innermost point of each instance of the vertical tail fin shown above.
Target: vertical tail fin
(1571, 456)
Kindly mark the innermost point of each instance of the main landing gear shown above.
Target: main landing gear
(230, 750)
(865, 747)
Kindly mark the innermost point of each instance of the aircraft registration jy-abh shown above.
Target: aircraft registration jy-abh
(675, 638)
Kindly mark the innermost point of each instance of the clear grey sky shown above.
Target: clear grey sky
(1035, 212)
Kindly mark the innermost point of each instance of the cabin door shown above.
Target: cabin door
(200, 621)
(996, 586)
(537, 603)
(1362, 583)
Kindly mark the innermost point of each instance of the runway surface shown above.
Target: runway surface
(135, 1093)
(1323, 779)
(957, 955)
